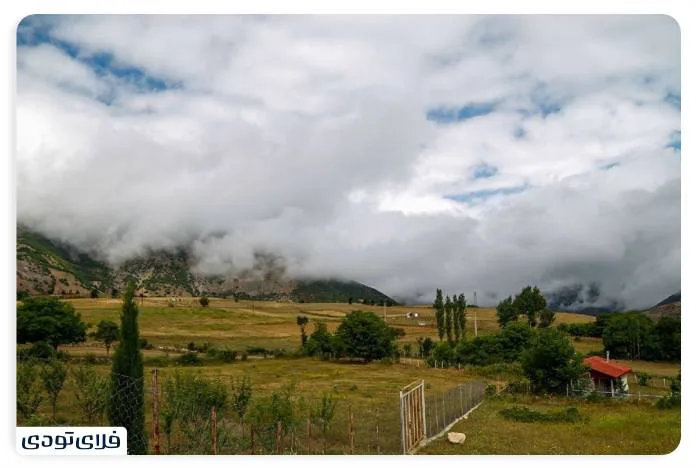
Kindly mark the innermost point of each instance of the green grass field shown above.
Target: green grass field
(371, 390)
(612, 428)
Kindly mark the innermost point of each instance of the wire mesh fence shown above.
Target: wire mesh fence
(443, 409)
(187, 413)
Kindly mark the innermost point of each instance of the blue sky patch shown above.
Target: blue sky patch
(520, 132)
(674, 100)
(484, 171)
(606, 167)
(36, 29)
(481, 195)
(675, 141)
(457, 114)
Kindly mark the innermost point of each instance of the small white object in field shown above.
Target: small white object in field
(456, 437)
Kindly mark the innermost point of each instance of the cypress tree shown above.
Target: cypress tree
(127, 400)
(439, 314)
(448, 318)
(462, 315)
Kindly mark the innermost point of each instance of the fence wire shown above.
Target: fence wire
(443, 409)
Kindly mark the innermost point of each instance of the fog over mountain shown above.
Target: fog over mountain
(407, 153)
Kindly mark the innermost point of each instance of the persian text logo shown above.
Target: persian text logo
(71, 440)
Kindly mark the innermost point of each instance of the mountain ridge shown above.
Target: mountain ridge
(48, 267)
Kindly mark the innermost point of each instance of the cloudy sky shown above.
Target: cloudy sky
(405, 152)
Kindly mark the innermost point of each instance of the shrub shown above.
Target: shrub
(669, 401)
(53, 377)
(643, 378)
(517, 387)
(226, 355)
(244, 356)
(204, 301)
(91, 393)
(29, 394)
(527, 415)
(144, 344)
(90, 358)
(490, 390)
(189, 359)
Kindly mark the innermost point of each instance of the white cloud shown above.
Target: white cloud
(308, 137)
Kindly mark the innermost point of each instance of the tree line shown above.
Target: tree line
(633, 335)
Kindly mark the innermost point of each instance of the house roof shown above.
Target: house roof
(612, 369)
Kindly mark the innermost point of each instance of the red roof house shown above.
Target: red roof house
(607, 376)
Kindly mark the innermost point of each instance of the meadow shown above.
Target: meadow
(612, 427)
(368, 391)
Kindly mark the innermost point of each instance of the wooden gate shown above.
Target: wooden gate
(412, 416)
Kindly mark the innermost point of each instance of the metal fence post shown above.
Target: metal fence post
(213, 430)
(351, 436)
(155, 412)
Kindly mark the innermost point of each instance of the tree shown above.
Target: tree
(506, 312)
(320, 342)
(126, 404)
(204, 301)
(107, 332)
(350, 300)
(668, 338)
(513, 340)
(53, 377)
(114, 293)
(302, 322)
(439, 307)
(425, 346)
(530, 302)
(94, 294)
(449, 319)
(364, 335)
(49, 320)
(546, 318)
(550, 362)
(629, 335)
(241, 397)
(459, 317)
(323, 414)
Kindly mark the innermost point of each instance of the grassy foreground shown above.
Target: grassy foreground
(612, 428)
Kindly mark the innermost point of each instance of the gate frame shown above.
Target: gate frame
(416, 386)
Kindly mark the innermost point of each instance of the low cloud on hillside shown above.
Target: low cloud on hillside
(408, 153)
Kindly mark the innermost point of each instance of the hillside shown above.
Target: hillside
(48, 267)
(670, 307)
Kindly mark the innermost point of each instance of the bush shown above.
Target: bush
(40, 350)
(594, 397)
(527, 415)
(91, 394)
(257, 350)
(490, 390)
(244, 356)
(144, 344)
(643, 378)
(29, 391)
(225, 355)
(669, 401)
(204, 301)
(189, 359)
(517, 387)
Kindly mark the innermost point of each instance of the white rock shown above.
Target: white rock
(456, 437)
